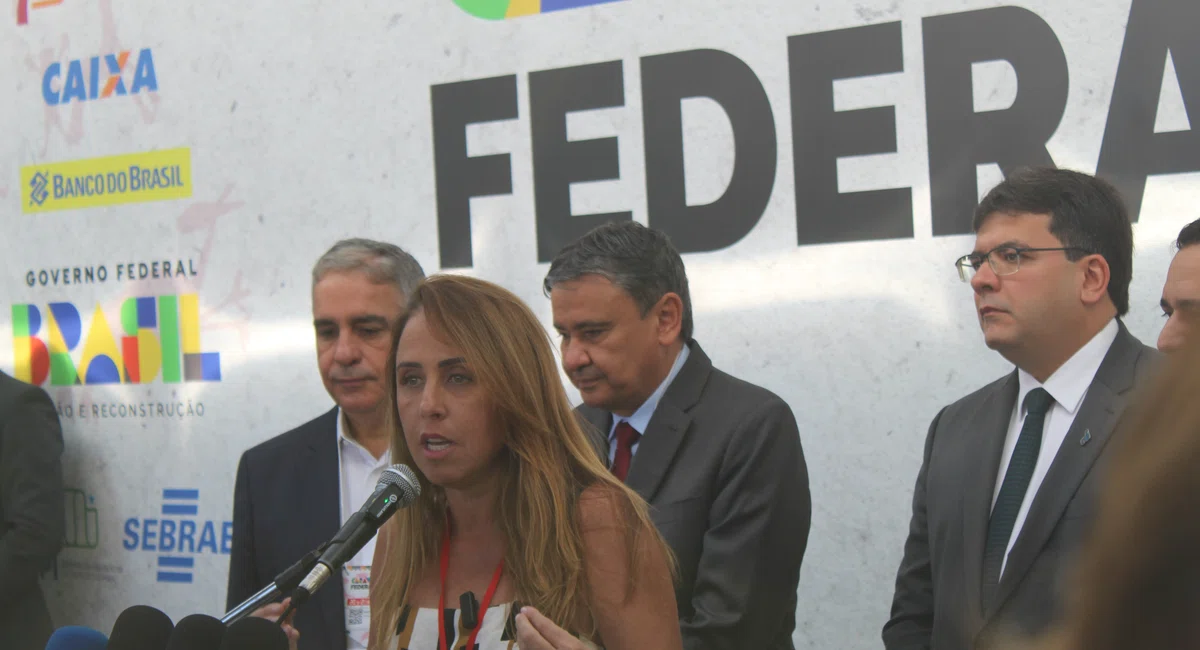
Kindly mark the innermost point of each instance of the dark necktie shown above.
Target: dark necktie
(1012, 491)
(626, 437)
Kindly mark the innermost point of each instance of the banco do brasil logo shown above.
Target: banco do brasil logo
(142, 177)
(160, 339)
(500, 9)
(99, 77)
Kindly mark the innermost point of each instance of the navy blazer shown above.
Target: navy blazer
(285, 504)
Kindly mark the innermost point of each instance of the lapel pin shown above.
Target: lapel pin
(1087, 435)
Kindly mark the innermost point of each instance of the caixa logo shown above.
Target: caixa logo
(99, 77)
(179, 536)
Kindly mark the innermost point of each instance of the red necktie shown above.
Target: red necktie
(626, 437)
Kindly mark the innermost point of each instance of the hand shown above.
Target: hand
(272, 612)
(536, 632)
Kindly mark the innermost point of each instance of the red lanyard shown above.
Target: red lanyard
(487, 597)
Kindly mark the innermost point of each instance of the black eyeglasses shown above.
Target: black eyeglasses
(1004, 260)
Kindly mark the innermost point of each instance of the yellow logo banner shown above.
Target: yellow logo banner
(111, 180)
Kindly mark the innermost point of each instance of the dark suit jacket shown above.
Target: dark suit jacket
(937, 602)
(286, 503)
(32, 519)
(721, 465)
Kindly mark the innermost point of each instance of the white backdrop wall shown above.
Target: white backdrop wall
(280, 127)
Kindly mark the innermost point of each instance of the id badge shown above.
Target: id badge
(356, 586)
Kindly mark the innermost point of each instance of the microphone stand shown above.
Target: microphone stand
(282, 584)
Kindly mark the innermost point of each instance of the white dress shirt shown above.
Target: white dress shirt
(1068, 386)
(641, 417)
(358, 472)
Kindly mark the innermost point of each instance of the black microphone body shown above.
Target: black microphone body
(397, 488)
(254, 634)
(283, 583)
(197, 632)
(141, 628)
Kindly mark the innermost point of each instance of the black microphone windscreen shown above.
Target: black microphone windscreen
(253, 633)
(197, 632)
(140, 628)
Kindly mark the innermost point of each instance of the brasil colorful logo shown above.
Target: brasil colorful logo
(160, 340)
(501, 9)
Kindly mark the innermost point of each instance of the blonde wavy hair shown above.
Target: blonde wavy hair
(1137, 582)
(548, 459)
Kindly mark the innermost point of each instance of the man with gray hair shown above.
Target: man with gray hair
(718, 459)
(295, 491)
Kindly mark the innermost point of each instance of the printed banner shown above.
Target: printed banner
(112, 180)
(816, 163)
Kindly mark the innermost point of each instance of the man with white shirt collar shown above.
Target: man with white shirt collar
(1005, 494)
(640, 420)
(295, 491)
(718, 459)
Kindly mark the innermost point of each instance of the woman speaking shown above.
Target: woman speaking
(521, 537)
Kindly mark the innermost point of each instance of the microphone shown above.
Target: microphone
(77, 637)
(254, 634)
(196, 632)
(140, 628)
(283, 583)
(397, 488)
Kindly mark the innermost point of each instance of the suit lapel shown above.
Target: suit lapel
(990, 428)
(669, 425)
(1097, 415)
(666, 431)
(319, 495)
(596, 423)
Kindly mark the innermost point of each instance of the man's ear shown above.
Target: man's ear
(1096, 275)
(668, 315)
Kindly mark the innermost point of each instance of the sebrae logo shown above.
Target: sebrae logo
(501, 9)
(104, 77)
(160, 339)
(111, 180)
(23, 7)
(178, 536)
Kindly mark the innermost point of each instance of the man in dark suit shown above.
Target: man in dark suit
(295, 491)
(718, 459)
(32, 520)
(1181, 292)
(1005, 494)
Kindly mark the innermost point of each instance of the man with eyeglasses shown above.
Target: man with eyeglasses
(1005, 494)
(1181, 292)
